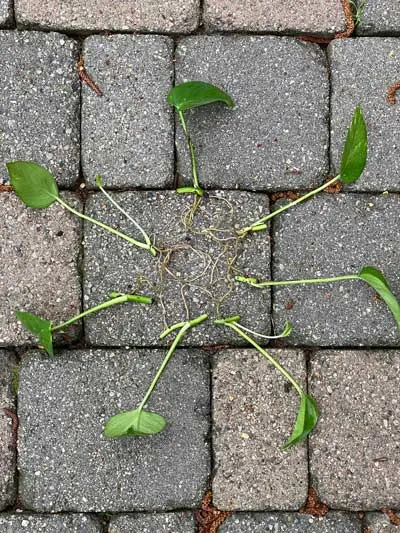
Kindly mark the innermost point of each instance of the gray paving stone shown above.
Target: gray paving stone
(26, 523)
(300, 16)
(182, 522)
(197, 266)
(329, 236)
(253, 415)
(170, 16)
(38, 265)
(7, 444)
(356, 80)
(66, 464)
(354, 451)
(5, 12)
(379, 17)
(277, 135)
(127, 135)
(334, 522)
(379, 523)
(39, 102)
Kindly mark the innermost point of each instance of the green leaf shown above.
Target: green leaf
(307, 417)
(137, 423)
(377, 281)
(39, 327)
(32, 183)
(355, 149)
(196, 93)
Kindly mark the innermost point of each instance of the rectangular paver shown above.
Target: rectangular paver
(334, 235)
(168, 16)
(254, 410)
(362, 70)
(276, 137)
(65, 462)
(292, 16)
(379, 17)
(39, 102)
(7, 429)
(127, 135)
(354, 452)
(194, 271)
(39, 252)
(29, 523)
(5, 12)
(181, 522)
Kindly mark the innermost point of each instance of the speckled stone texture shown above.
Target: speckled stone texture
(39, 102)
(5, 12)
(379, 17)
(276, 137)
(292, 16)
(254, 410)
(354, 451)
(379, 523)
(334, 522)
(38, 265)
(7, 443)
(194, 268)
(358, 81)
(29, 523)
(334, 235)
(181, 522)
(169, 16)
(66, 464)
(128, 134)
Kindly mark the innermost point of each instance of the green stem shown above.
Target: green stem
(269, 357)
(119, 300)
(198, 190)
(107, 228)
(253, 281)
(260, 224)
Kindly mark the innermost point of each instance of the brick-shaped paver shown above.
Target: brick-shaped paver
(354, 451)
(39, 102)
(379, 17)
(30, 523)
(358, 81)
(379, 523)
(38, 265)
(254, 411)
(5, 12)
(180, 522)
(7, 429)
(194, 272)
(319, 17)
(128, 134)
(66, 464)
(334, 235)
(172, 16)
(277, 135)
(334, 522)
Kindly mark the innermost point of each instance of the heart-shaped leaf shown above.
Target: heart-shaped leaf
(39, 327)
(197, 93)
(355, 149)
(377, 280)
(137, 423)
(32, 183)
(307, 417)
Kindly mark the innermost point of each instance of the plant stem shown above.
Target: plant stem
(269, 357)
(107, 228)
(253, 282)
(259, 224)
(196, 184)
(119, 300)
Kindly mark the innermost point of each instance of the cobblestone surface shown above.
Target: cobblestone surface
(379, 523)
(5, 12)
(357, 393)
(153, 523)
(276, 137)
(379, 17)
(334, 235)
(127, 135)
(7, 428)
(73, 523)
(39, 102)
(66, 464)
(170, 16)
(253, 414)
